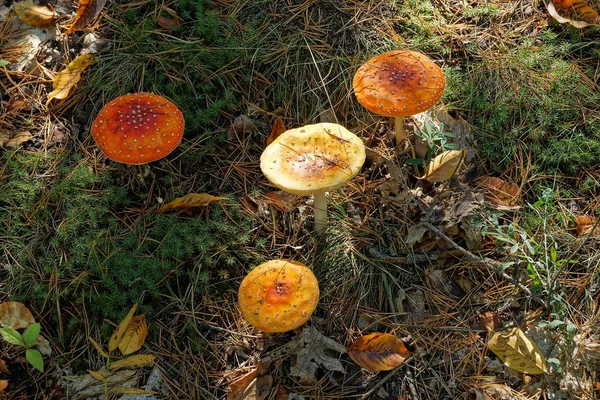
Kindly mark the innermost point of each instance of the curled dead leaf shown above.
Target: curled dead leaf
(517, 351)
(87, 11)
(66, 79)
(117, 336)
(575, 12)
(585, 225)
(34, 14)
(134, 336)
(499, 192)
(16, 140)
(255, 385)
(277, 129)
(378, 352)
(168, 23)
(444, 166)
(190, 200)
(15, 315)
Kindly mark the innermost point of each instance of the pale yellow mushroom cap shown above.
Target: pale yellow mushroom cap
(313, 159)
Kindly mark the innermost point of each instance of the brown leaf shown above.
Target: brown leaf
(378, 352)
(139, 360)
(15, 141)
(517, 351)
(575, 12)
(255, 385)
(117, 336)
(190, 200)
(15, 315)
(283, 201)
(277, 129)
(68, 77)
(3, 385)
(3, 367)
(134, 336)
(585, 224)
(444, 166)
(168, 23)
(499, 192)
(87, 11)
(17, 105)
(34, 14)
(489, 321)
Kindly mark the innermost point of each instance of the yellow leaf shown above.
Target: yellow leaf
(189, 201)
(444, 166)
(3, 385)
(15, 315)
(140, 360)
(34, 14)
(68, 77)
(115, 339)
(517, 351)
(97, 375)
(134, 336)
(575, 12)
(98, 348)
(86, 12)
(378, 352)
(126, 390)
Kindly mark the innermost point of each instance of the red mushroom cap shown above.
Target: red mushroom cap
(399, 83)
(138, 128)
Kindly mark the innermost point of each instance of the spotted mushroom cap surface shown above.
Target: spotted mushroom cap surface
(138, 128)
(313, 159)
(399, 83)
(278, 295)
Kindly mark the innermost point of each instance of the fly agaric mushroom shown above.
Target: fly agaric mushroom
(313, 160)
(278, 295)
(138, 128)
(399, 83)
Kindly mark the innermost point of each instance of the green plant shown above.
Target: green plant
(438, 140)
(27, 340)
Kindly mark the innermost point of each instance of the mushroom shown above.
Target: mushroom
(278, 295)
(397, 84)
(313, 160)
(138, 128)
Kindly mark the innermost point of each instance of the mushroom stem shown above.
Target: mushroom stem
(320, 204)
(399, 130)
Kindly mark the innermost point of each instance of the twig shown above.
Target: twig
(415, 258)
(490, 265)
(384, 380)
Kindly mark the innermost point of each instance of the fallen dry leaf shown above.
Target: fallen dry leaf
(87, 11)
(489, 321)
(585, 224)
(68, 77)
(277, 129)
(134, 336)
(139, 360)
(117, 336)
(168, 23)
(97, 375)
(444, 166)
(17, 140)
(127, 390)
(241, 128)
(499, 192)
(378, 352)
(15, 315)
(3, 385)
(517, 351)
(283, 201)
(98, 348)
(34, 14)
(189, 201)
(3, 367)
(255, 385)
(575, 12)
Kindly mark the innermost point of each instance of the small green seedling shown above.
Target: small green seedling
(27, 341)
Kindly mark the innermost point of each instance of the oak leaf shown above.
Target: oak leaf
(139, 360)
(34, 14)
(575, 12)
(117, 336)
(87, 11)
(378, 352)
(190, 200)
(134, 336)
(499, 192)
(444, 166)
(585, 224)
(66, 79)
(15, 315)
(517, 351)
(277, 129)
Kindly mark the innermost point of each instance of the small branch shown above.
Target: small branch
(384, 380)
(490, 265)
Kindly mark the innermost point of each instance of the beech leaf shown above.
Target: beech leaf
(277, 129)
(68, 77)
(575, 12)
(34, 14)
(87, 11)
(444, 166)
(134, 336)
(190, 200)
(378, 352)
(15, 315)
(517, 351)
(117, 336)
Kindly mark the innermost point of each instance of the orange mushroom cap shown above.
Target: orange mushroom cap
(278, 295)
(399, 83)
(138, 128)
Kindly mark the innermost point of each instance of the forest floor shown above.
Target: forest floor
(82, 238)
